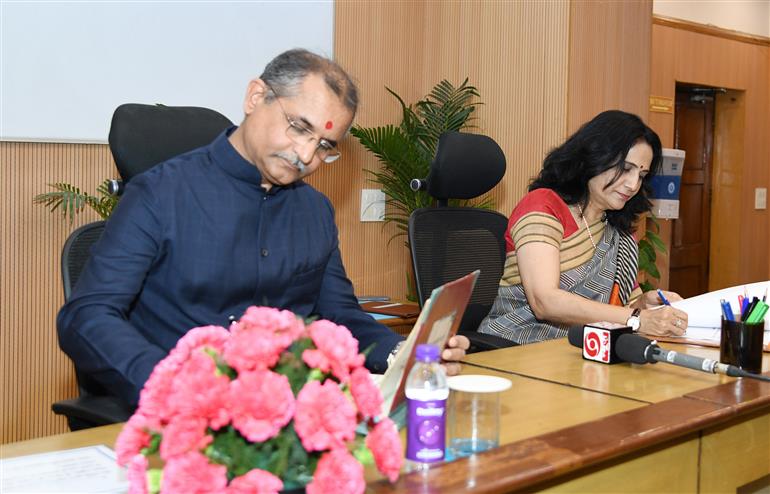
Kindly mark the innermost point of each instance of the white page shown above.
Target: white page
(704, 310)
(89, 470)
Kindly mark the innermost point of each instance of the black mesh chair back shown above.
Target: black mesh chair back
(141, 136)
(450, 242)
(75, 253)
(94, 406)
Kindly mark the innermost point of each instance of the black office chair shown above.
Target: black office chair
(94, 406)
(141, 136)
(450, 242)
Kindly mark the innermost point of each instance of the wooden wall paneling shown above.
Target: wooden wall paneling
(686, 56)
(379, 43)
(514, 53)
(727, 175)
(609, 59)
(35, 372)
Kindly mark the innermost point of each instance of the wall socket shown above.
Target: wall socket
(372, 205)
(760, 198)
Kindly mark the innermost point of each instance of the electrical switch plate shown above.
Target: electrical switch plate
(372, 205)
(760, 198)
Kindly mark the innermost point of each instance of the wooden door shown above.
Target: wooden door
(693, 132)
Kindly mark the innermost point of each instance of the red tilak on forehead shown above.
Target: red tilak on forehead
(329, 125)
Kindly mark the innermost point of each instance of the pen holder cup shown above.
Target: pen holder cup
(473, 418)
(741, 345)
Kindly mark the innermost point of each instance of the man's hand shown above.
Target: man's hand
(453, 353)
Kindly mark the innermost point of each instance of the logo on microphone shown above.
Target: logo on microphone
(596, 344)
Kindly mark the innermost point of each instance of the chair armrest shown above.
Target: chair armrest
(481, 342)
(92, 411)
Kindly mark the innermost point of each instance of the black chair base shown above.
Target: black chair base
(92, 411)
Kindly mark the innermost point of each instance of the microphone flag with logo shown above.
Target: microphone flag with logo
(599, 341)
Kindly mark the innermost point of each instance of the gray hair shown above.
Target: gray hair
(286, 72)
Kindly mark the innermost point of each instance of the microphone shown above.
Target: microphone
(417, 184)
(629, 347)
(598, 341)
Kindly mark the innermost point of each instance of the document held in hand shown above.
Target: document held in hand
(438, 321)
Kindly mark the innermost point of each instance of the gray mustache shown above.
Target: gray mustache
(293, 160)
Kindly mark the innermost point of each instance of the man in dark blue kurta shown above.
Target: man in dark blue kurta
(199, 238)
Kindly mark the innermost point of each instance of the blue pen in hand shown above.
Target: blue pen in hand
(663, 298)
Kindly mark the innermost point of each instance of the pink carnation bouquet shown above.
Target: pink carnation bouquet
(271, 404)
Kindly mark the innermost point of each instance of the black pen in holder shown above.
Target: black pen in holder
(740, 344)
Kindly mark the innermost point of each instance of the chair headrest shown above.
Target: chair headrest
(465, 166)
(142, 136)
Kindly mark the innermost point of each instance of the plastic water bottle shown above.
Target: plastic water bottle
(426, 396)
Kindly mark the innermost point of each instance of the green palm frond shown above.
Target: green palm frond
(407, 150)
(648, 244)
(70, 200)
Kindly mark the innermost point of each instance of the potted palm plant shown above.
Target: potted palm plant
(70, 200)
(406, 150)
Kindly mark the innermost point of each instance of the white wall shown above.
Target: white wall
(65, 66)
(746, 16)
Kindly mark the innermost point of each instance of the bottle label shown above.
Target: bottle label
(425, 430)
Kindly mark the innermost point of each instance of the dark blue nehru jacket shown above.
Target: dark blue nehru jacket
(194, 241)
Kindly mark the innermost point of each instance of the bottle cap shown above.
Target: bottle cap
(427, 353)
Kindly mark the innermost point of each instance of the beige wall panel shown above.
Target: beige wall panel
(609, 64)
(35, 372)
(515, 53)
(687, 56)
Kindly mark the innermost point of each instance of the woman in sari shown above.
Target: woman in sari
(571, 257)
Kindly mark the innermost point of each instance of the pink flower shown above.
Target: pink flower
(385, 444)
(337, 350)
(183, 434)
(132, 438)
(191, 473)
(261, 404)
(337, 471)
(137, 475)
(366, 394)
(213, 337)
(199, 392)
(325, 418)
(153, 399)
(257, 340)
(255, 482)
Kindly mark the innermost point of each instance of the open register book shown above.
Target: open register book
(438, 321)
(704, 314)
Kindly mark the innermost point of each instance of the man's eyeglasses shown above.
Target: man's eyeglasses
(298, 134)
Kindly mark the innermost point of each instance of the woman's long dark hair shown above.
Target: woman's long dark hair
(597, 146)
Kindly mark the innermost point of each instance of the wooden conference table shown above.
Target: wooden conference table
(575, 426)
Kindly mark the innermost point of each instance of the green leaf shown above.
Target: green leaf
(71, 201)
(362, 453)
(406, 151)
(233, 451)
(154, 445)
(292, 366)
(154, 476)
(656, 241)
(646, 286)
(300, 464)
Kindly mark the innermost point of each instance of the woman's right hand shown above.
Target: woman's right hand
(665, 321)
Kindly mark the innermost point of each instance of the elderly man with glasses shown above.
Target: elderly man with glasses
(198, 239)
